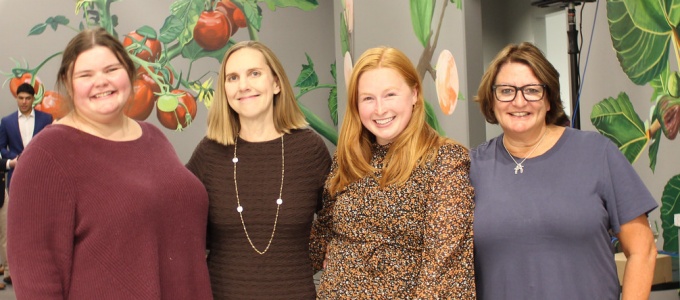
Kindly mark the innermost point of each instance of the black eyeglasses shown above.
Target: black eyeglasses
(507, 93)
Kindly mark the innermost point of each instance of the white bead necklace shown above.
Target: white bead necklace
(519, 167)
(279, 201)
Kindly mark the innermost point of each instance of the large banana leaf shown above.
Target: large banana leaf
(670, 205)
(640, 32)
(617, 120)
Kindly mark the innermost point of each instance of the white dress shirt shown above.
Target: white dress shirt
(26, 127)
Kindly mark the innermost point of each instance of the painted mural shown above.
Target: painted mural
(197, 29)
(644, 34)
(194, 29)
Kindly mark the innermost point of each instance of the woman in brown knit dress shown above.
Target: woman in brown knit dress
(264, 173)
(397, 216)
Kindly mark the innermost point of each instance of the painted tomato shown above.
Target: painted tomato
(239, 18)
(15, 82)
(140, 104)
(54, 104)
(234, 14)
(154, 47)
(179, 118)
(212, 30)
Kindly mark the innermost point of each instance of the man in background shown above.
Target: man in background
(16, 131)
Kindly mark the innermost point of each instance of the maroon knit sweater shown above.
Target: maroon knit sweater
(285, 270)
(97, 219)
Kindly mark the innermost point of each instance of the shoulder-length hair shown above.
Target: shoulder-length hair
(223, 121)
(417, 144)
(529, 55)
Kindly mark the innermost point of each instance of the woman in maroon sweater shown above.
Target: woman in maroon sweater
(102, 207)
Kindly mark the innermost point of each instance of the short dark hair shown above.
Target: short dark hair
(26, 88)
(529, 55)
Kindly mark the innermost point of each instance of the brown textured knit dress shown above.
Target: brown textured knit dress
(412, 241)
(237, 271)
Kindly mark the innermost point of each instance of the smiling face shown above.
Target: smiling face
(385, 103)
(520, 116)
(250, 85)
(101, 85)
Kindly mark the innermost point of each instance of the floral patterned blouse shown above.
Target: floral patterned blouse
(410, 241)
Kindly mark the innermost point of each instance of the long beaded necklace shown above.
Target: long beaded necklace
(279, 201)
(519, 167)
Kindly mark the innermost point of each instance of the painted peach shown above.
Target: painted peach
(447, 82)
(348, 68)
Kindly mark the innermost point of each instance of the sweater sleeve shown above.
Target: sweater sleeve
(448, 265)
(196, 166)
(321, 164)
(41, 224)
(322, 228)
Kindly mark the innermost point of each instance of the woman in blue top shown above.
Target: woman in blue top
(547, 197)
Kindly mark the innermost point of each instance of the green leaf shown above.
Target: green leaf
(617, 120)
(640, 34)
(421, 19)
(333, 97)
(333, 73)
(61, 20)
(187, 12)
(670, 205)
(344, 34)
(305, 5)
(432, 119)
(171, 29)
(147, 31)
(333, 105)
(37, 29)
(114, 21)
(307, 78)
(252, 11)
(654, 149)
(193, 51)
(458, 3)
(660, 84)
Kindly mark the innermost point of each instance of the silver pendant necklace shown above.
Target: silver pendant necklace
(518, 166)
(279, 201)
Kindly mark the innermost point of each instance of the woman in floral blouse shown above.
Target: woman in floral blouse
(398, 208)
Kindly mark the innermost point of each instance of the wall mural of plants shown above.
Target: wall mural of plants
(197, 29)
(194, 29)
(643, 33)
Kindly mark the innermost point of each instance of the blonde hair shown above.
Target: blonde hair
(223, 122)
(417, 144)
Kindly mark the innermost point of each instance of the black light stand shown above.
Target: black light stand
(572, 35)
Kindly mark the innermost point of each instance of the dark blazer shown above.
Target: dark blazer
(11, 144)
(3, 168)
